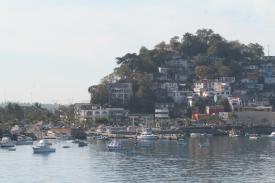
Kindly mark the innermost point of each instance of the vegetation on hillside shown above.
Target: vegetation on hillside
(208, 54)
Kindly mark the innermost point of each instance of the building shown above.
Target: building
(162, 110)
(144, 119)
(222, 89)
(85, 112)
(207, 88)
(235, 103)
(210, 110)
(120, 94)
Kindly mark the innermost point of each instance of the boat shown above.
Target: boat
(272, 134)
(233, 133)
(12, 149)
(6, 142)
(43, 146)
(114, 146)
(253, 136)
(195, 134)
(65, 146)
(82, 144)
(147, 135)
(24, 141)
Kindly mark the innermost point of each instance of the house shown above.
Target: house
(93, 112)
(120, 94)
(162, 110)
(235, 103)
(222, 89)
(210, 110)
(145, 119)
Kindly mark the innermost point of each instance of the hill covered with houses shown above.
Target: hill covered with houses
(180, 78)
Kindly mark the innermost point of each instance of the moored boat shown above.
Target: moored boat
(253, 136)
(147, 135)
(43, 146)
(6, 142)
(114, 145)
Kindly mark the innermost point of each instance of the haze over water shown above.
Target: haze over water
(225, 160)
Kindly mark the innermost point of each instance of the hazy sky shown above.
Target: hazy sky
(53, 50)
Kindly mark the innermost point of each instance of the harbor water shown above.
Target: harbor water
(224, 159)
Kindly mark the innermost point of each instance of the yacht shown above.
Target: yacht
(147, 135)
(24, 141)
(43, 147)
(6, 142)
(114, 145)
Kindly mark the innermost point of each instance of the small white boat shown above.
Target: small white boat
(233, 133)
(272, 135)
(147, 135)
(6, 142)
(43, 147)
(24, 141)
(195, 134)
(114, 146)
(253, 136)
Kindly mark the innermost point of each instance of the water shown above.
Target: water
(225, 160)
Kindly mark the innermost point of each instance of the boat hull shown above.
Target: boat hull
(43, 150)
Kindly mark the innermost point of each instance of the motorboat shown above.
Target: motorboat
(195, 134)
(114, 146)
(272, 134)
(253, 136)
(234, 133)
(24, 141)
(6, 142)
(147, 135)
(43, 146)
(65, 146)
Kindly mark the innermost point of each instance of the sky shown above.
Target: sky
(51, 51)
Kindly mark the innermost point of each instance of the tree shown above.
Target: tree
(99, 94)
(201, 71)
